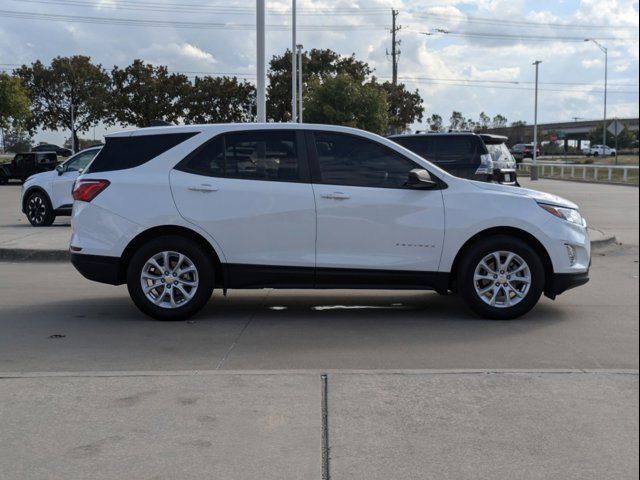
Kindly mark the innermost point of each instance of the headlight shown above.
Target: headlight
(568, 214)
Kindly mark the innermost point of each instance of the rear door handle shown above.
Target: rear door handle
(205, 187)
(336, 196)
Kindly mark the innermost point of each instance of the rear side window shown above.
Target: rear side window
(259, 155)
(423, 146)
(120, 153)
(456, 149)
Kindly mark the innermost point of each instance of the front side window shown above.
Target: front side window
(80, 161)
(355, 161)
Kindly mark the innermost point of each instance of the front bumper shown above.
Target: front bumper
(561, 282)
(99, 268)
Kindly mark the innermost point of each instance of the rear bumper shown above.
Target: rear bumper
(98, 268)
(561, 282)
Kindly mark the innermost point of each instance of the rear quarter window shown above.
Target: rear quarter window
(120, 153)
(423, 146)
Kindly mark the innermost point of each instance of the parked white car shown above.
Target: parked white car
(175, 211)
(601, 150)
(48, 194)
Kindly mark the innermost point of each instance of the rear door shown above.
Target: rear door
(251, 192)
(367, 218)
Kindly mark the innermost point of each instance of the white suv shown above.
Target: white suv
(48, 194)
(176, 211)
(597, 150)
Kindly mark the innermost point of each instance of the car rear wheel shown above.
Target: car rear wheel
(170, 278)
(39, 210)
(501, 277)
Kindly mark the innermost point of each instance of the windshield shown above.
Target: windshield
(501, 155)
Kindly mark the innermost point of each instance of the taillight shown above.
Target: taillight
(486, 165)
(87, 190)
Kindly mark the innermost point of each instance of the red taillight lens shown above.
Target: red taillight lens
(87, 190)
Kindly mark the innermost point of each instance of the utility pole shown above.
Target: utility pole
(395, 51)
(294, 63)
(260, 60)
(534, 166)
(606, 68)
(73, 129)
(300, 47)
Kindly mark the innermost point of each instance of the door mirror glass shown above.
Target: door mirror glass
(60, 169)
(420, 178)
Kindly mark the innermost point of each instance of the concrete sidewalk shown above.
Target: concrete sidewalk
(381, 425)
(612, 212)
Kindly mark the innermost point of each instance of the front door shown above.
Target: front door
(62, 184)
(367, 217)
(250, 191)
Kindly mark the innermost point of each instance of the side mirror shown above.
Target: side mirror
(420, 179)
(60, 169)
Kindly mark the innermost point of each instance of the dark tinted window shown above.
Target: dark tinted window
(207, 160)
(120, 153)
(423, 146)
(262, 155)
(271, 156)
(456, 148)
(47, 158)
(350, 160)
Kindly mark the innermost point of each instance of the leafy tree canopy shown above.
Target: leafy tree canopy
(14, 101)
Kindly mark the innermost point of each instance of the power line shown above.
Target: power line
(516, 36)
(208, 8)
(521, 23)
(179, 24)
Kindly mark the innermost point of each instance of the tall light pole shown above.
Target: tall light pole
(294, 63)
(300, 47)
(260, 54)
(606, 61)
(73, 128)
(534, 166)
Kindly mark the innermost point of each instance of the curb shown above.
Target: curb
(34, 255)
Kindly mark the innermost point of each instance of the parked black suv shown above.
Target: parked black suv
(24, 165)
(48, 147)
(463, 154)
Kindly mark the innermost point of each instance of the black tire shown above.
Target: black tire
(39, 210)
(472, 258)
(596, 154)
(202, 262)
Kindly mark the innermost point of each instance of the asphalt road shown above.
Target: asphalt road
(418, 387)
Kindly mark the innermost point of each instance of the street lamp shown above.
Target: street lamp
(294, 63)
(606, 57)
(534, 166)
(261, 98)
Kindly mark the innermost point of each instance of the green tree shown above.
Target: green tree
(14, 101)
(16, 140)
(456, 121)
(316, 64)
(626, 138)
(142, 93)
(499, 121)
(405, 107)
(219, 100)
(484, 122)
(68, 83)
(342, 100)
(435, 123)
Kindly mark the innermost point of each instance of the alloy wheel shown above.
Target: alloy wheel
(502, 279)
(36, 209)
(169, 279)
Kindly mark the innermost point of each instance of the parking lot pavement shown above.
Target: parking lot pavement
(595, 326)
(498, 426)
(161, 427)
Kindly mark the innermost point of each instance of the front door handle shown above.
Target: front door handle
(336, 196)
(205, 187)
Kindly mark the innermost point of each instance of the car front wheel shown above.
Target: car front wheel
(170, 278)
(501, 277)
(39, 210)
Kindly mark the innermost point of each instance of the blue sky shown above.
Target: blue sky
(482, 64)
